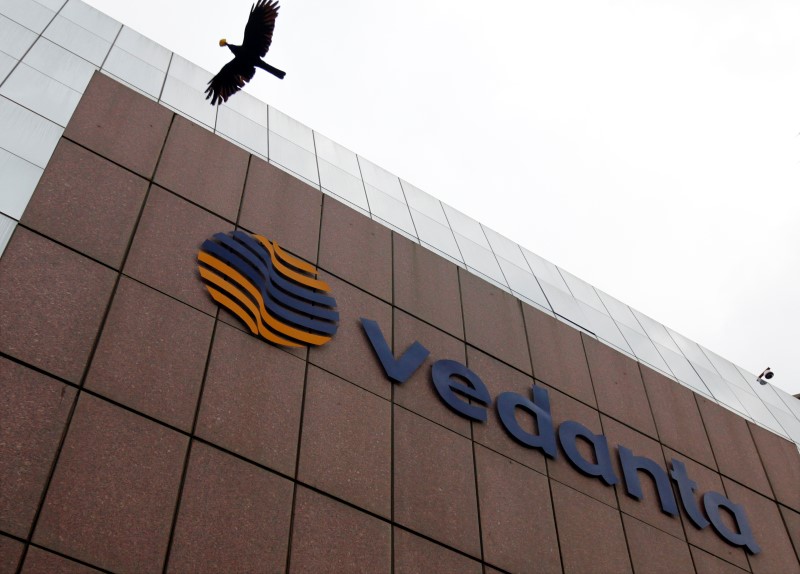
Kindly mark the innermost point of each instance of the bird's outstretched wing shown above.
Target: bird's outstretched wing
(260, 25)
(230, 79)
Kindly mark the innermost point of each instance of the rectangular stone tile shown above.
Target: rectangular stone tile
(413, 554)
(123, 471)
(164, 250)
(558, 356)
(777, 553)
(517, 524)
(345, 232)
(499, 378)
(418, 393)
(618, 386)
(706, 480)
(203, 168)
(434, 482)
(792, 521)
(349, 354)
(33, 410)
(282, 208)
(252, 399)
(10, 553)
(52, 302)
(87, 203)
(677, 418)
(120, 124)
(734, 449)
(39, 561)
(565, 408)
(648, 509)
(152, 354)
(346, 442)
(654, 551)
(426, 285)
(329, 536)
(589, 532)
(233, 517)
(781, 462)
(493, 321)
(706, 563)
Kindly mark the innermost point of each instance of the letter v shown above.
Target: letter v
(398, 370)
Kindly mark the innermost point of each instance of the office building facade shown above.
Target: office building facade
(476, 409)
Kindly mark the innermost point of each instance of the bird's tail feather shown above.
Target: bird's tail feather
(271, 69)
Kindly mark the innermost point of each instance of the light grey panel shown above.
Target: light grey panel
(620, 311)
(544, 270)
(505, 248)
(437, 235)
(465, 226)
(381, 179)
(395, 228)
(243, 130)
(143, 48)
(691, 350)
(582, 291)
(26, 134)
(523, 283)
(15, 39)
(60, 64)
(424, 203)
(18, 179)
(481, 259)
(78, 40)
(134, 72)
(605, 328)
(789, 423)
(291, 130)
(7, 64)
(388, 208)
(683, 371)
(42, 94)
(790, 401)
(725, 368)
(293, 157)
(565, 305)
(184, 91)
(644, 349)
(720, 389)
(188, 100)
(336, 155)
(54, 5)
(656, 331)
(30, 14)
(342, 183)
(7, 226)
(91, 19)
(759, 411)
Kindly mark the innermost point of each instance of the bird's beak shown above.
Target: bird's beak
(223, 42)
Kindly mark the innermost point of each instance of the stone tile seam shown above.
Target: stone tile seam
(87, 366)
(194, 438)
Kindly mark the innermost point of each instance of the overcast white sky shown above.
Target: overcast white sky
(650, 148)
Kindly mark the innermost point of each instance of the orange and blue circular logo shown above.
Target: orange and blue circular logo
(277, 295)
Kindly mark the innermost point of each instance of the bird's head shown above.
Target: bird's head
(223, 43)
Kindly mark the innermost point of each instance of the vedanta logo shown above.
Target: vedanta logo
(275, 294)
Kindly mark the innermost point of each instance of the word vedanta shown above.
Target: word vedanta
(463, 391)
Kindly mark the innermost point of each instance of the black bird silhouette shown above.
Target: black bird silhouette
(257, 38)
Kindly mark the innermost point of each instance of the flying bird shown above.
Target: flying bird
(247, 57)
